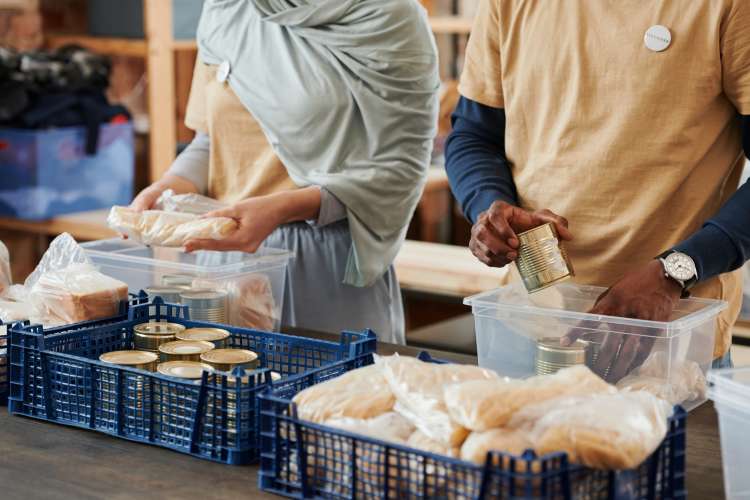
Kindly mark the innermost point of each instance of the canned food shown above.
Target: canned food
(149, 336)
(217, 336)
(192, 370)
(184, 350)
(177, 280)
(275, 376)
(225, 360)
(170, 294)
(134, 359)
(206, 305)
(542, 260)
(551, 356)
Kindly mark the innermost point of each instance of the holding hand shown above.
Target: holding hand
(644, 293)
(494, 238)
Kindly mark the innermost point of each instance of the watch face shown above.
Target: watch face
(680, 266)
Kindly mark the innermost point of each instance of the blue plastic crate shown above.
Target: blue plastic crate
(55, 375)
(3, 364)
(47, 173)
(300, 459)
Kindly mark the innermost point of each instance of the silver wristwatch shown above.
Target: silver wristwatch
(681, 268)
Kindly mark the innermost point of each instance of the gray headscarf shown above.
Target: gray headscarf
(346, 93)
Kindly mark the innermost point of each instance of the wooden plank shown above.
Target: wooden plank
(131, 47)
(444, 270)
(187, 45)
(82, 226)
(161, 86)
(184, 64)
(456, 25)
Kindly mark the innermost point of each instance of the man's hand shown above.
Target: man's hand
(644, 293)
(494, 238)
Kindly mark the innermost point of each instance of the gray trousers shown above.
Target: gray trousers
(315, 296)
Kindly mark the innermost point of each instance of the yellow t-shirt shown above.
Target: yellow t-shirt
(636, 148)
(242, 164)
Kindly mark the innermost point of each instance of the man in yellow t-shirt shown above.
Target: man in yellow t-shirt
(625, 121)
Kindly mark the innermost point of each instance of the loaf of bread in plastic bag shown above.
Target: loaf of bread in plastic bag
(422, 441)
(5, 275)
(169, 229)
(77, 293)
(419, 386)
(671, 380)
(362, 393)
(604, 431)
(389, 426)
(479, 405)
(479, 443)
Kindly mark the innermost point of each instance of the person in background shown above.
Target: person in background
(623, 124)
(315, 123)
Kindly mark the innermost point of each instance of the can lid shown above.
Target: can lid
(229, 356)
(177, 279)
(154, 290)
(550, 350)
(182, 369)
(207, 334)
(186, 347)
(203, 294)
(543, 232)
(158, 328)
(128, 357)
(275, 376)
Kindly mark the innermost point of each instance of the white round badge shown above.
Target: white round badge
(222, 72)
(657, 38)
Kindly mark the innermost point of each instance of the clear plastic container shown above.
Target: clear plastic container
(254, 282)
(673, 357)
(730, 390)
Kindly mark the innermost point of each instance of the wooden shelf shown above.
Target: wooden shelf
(451, 25)
(132, 47)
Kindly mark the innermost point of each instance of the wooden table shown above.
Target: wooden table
(48, 461)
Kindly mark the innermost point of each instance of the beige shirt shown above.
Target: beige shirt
(636, 148)
(242, 164)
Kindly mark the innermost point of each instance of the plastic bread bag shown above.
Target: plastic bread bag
(66, 288)
(418, 387)
(421, 441)
(251, 301)
(170, 229)
(479, 443)
(480, 405)
(12, 311)
(389, 426)
(5, 276)
(362, 393)
(190, 203)
(673, 381)
(604, 431)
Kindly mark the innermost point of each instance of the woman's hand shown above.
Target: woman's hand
(258, 217)
(147, 198)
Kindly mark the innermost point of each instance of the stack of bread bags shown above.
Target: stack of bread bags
(464, 412)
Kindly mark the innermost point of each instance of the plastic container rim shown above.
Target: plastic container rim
(725, 391)
(274, 256)
(711, 307)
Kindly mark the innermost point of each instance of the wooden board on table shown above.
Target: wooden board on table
(82, 225)
(444, 270)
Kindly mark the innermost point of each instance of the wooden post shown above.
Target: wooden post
(161, 86)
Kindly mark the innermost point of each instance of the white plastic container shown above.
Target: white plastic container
(255, 282)
(730, 390)
(678, 353)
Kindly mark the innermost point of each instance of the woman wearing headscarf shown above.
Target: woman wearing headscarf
(314, 121)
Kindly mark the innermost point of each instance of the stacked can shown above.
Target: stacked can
(184, 350)
(542, 260)
(226, 360)
(177, 280)
(217, 336)
(206, 305)
(551, 356)
(170, 294)
(172, 398)
(134, 394)
(149, 336)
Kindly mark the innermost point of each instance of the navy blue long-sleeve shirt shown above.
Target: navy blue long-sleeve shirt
(479, 174)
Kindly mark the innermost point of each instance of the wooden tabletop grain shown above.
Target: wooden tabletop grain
(39, 460)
